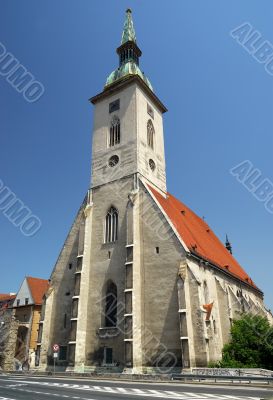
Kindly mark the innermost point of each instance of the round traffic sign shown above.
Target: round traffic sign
(56, 348)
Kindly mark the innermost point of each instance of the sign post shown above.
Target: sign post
(56, 349)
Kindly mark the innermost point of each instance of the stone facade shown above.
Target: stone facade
(127, 292)
(8, 339)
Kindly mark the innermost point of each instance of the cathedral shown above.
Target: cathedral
(142, 284)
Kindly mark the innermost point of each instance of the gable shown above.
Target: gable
(23, 294)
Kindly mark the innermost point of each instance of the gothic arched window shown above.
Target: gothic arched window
(111, 225)
(111, 305)
(114, 134)
(150, 134)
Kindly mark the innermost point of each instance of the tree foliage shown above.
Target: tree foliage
(251, 344)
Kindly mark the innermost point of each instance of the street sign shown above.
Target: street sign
(55, 355)
(56, 348)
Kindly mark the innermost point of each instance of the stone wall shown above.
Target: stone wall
(8, 339)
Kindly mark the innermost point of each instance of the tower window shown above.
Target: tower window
(150, 111)
(113, 161)
(152, 164)
(114, 134)
(114, 106)
(150, 134)
(111, 226)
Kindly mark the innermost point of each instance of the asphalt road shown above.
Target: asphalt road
(21, 387)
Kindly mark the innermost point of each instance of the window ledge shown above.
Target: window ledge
(109, 244)
(108, 332)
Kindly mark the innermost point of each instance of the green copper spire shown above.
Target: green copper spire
(128, 34)
(129, 54)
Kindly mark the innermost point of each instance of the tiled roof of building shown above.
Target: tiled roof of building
(199, 237)
(38, 288)
(7, 297)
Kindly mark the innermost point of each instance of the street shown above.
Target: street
(15, 387)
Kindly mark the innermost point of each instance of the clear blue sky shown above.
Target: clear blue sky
(220, 113)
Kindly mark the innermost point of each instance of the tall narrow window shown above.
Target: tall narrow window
(111, 305)
(114, 135)
(150, 134)
(111, 226)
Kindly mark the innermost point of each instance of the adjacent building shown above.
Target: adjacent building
(8, 329)
(142, 283)
(19, 324)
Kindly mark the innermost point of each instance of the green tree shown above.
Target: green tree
(251, 344)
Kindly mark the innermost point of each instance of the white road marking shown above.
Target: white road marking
(127, 391)
(122, 390)
(138, 391)
(6, 398)
(98, 388)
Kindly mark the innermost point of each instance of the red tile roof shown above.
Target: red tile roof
(7, 297)
(199, 237)
(38, 288)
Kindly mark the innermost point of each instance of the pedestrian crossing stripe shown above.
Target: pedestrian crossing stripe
(141, 392)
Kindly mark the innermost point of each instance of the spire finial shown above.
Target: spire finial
(128, 34)
(129, 54)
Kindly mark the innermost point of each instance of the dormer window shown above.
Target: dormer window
(150, 134)
(114, 133)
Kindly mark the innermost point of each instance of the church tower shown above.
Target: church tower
(142, 283)
(128, 121)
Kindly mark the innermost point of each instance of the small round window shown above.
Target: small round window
(113, 161)
(152, 164)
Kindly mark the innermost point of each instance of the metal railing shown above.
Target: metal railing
(230, 378)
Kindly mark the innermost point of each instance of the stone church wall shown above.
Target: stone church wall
(107, 264)
(57, 314)
(161, 256)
